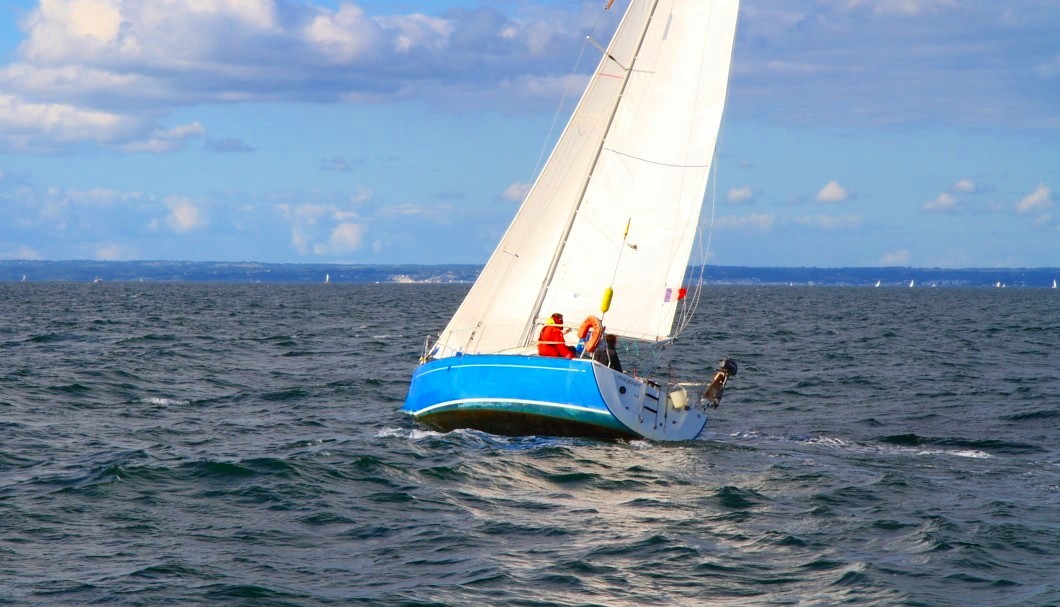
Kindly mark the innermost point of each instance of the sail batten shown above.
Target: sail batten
(636, 152)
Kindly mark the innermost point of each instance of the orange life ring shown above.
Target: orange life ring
(591, 323)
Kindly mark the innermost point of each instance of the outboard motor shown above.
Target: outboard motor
(716, 389)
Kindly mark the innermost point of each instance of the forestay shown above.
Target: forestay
(638, 152)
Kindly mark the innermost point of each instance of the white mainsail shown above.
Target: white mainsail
(637, 152)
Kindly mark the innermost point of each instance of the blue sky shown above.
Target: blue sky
(859, 132)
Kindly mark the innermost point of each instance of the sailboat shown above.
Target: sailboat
(877, 283)
(1054, 283)
(605, 234)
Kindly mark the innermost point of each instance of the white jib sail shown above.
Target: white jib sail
(638, 152)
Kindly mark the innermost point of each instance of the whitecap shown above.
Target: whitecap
(390, 432)
(421, 434)
(963, 453)
(164, 402)
(414, 434)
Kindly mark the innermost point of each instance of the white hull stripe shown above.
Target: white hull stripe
(486, 401)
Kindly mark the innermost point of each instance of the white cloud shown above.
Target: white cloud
(127, 63)
(1043, 221)
(136, 60)
(183, 216)
(900, 257)
(342, 36)
(165, 140)
(325, 229)
(22, 122)
(419, 31)
(345, 237)
(833, 193)
(755, 222)
(1038, 201)
(965, 186)
(740, 195)
(516, 192)
(912, 46)
(57, 27)
(943, 203)
(361, 195)
(115, 252)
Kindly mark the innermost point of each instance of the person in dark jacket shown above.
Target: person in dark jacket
(551, 342)
(607, 353)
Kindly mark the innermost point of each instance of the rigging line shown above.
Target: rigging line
(706, 249)
(563, 100)
(611, 284)
(689, 306)
(714, 184)
(697, 294)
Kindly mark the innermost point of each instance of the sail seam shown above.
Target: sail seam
(658, 163)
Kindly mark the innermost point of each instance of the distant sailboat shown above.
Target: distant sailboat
(911, 284)
(877, 283)
(1054, 283)
(327, 278)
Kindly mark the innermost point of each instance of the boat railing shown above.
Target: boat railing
(467, 341)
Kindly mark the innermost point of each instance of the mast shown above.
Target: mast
(536, 310)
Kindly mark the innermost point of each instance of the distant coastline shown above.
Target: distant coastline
(307, 273)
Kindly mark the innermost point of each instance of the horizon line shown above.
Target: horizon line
(481, 264)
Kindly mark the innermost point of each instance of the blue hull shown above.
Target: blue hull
(513, 396)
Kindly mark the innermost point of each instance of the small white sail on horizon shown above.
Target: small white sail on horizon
(877, 283)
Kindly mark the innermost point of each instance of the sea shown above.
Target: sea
(188, 444)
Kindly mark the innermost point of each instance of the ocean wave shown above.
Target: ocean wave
(900, 445)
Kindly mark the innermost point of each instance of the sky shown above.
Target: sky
(860, 133)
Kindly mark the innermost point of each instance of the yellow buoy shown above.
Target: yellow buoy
(605, 305)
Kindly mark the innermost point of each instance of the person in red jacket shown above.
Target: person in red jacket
(551, 341)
